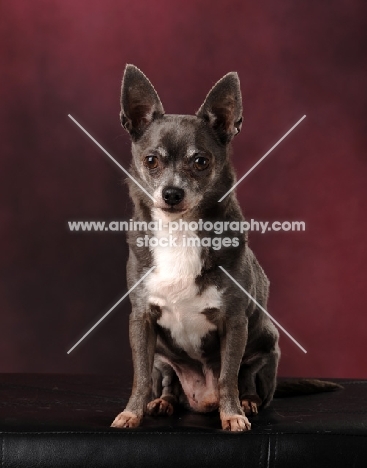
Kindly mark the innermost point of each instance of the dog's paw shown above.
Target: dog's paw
(235, 423)
(249, 407)
(159, 407)
(126, 419)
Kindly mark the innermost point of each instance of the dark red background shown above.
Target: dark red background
(293, 58)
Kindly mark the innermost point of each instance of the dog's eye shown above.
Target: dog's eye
(201, 163)
(151, 162)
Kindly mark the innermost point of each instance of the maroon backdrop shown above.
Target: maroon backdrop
(293, 58)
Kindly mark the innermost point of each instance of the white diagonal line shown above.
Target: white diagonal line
(108, 154)
(262, 308)
(105, 315)
(261, 159)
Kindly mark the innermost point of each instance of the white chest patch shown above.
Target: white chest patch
(171, 286)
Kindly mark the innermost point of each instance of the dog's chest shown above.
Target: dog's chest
(172, 287)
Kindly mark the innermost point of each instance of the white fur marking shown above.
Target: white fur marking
(172, 287)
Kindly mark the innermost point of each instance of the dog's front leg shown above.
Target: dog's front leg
(233, 343)
(143, 341)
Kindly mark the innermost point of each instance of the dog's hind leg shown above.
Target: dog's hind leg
(266, 377)
(164, 386)
(249, 399)
(257, 381)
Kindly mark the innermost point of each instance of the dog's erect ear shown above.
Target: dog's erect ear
(140, 103)
(222, 108)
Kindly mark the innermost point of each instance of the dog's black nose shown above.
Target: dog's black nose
(172, 195)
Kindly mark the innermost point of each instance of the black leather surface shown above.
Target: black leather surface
(63, 420)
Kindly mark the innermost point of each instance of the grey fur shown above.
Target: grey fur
(243, 350)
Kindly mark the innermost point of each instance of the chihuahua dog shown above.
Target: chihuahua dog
(196, 338)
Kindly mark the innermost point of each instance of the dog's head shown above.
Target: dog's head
(181, 160)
